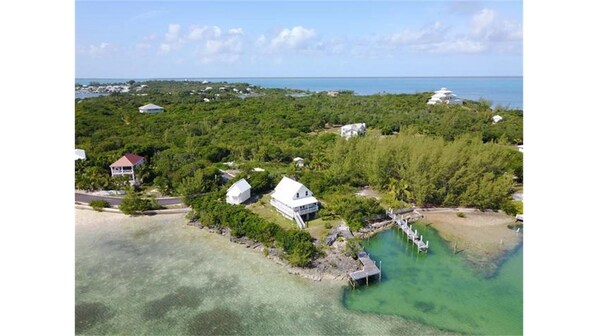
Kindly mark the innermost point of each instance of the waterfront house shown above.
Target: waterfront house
(126, 166)
(299, 162)
(351, 130)
(151, 108)
(239, 192)
(79, 154)
(444, 96)
(294, 201)
(496, 119)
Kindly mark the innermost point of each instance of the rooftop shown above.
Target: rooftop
(127, 160)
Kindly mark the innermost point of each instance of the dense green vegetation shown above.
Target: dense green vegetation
(212, 211)
(134, 204)
(413, 153)
(99, 205)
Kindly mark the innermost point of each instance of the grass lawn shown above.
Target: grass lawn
(267, 212)
(315, 227)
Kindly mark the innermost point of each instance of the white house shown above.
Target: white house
(126, 166)
(496, 119)
(239, 192)
(294, 201)
(444, 96)
(351, 130)
(299, 162)
(520, 147)
(151, 108)
(79, 154)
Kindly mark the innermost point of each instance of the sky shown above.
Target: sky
(193, 39)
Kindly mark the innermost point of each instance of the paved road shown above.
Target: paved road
(86, 198)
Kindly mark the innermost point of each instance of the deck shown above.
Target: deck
(369, 268)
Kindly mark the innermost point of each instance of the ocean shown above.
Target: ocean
(500, 91)
(156, 275)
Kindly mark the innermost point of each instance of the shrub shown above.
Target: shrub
(460, 214)
(98, 205)
(134, 204)
(352, 247)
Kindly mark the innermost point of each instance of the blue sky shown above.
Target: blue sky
(148, 39)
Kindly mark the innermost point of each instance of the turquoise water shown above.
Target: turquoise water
(440, 289)
(504, 91)
(158, 276)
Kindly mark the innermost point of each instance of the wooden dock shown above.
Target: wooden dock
(369, 269)
(413, 236)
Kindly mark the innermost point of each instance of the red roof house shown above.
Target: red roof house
(126, 166)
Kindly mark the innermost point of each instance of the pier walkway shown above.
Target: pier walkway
(413, 236)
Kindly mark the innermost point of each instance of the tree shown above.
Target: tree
(134, 204)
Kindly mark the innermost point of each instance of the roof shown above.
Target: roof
(287, 188)
(127, 160)
(238, 188)
(297, 159)
(150, 107)
(79, 154)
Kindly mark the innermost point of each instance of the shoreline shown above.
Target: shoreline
(335, 265)
(482, 238)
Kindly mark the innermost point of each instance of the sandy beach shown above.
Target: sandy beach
(483, 238)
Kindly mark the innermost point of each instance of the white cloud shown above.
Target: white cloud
(225, 47)
(458, 45)
(198, 33)
(173, 32)
(102, 49)
(482, 20)
(487, 32)
(430, 34)
(261, 41)
(296, 38)
(487, 26)
(143, 45)
(165, 47)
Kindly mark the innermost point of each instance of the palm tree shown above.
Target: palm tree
(400, 190)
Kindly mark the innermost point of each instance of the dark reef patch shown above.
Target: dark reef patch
(184, 296)
(218, 321)
(88, 314)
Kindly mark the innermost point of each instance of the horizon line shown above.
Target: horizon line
(305, 77)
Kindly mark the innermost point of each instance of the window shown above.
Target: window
(306, 193)
(297, 195)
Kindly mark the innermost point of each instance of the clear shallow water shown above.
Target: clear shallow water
(156, 275)
(440, 289)
(504, 91)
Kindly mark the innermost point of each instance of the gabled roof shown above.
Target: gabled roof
(286, 190)
(297, 159)
(127, 160)
(287, 186)
(238, 188)
(150, 107)
(79, 154)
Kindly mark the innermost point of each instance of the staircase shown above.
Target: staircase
(299, 220)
